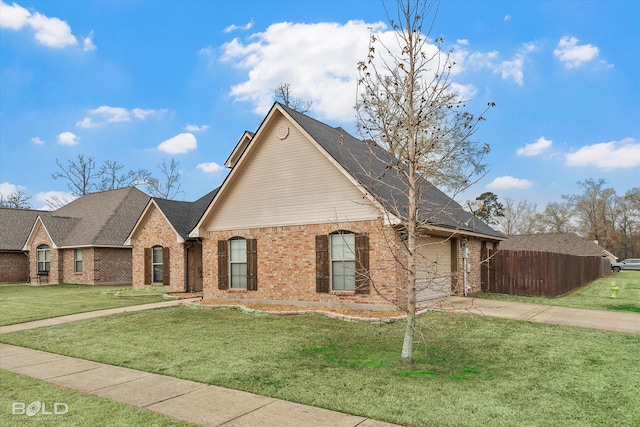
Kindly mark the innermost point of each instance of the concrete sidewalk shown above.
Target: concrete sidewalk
(93, 314)
(186, 400)
(596, 319)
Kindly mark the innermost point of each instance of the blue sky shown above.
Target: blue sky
(140, 82)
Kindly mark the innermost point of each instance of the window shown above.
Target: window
(44, 258)
(157, 266)
(342, 262)
(238, 264)
(77, 256)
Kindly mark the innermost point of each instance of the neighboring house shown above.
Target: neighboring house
(84, 241)
(299, 218)
(163, 252)
(15, 225)
(562, 243)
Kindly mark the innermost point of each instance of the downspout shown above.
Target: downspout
(465, 255)
(186, 268)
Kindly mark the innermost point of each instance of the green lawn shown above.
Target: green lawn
(81, 409)
(475, 371)
(595, 295)
(23, 303)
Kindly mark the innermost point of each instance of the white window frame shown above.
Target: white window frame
(154, 263)
(238, 260)
(77, 260)
(342, 253)
(43, 257)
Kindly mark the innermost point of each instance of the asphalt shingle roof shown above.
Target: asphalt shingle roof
(15, 226)
(184, 216)
(369, 164)
(563, 243)
(97, 219)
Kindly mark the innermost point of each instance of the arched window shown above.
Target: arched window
(157, 266)
(44, 258)
(238, 263)
(343, 261)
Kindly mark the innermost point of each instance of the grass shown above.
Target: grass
(595, 295)
(23, 303)
(475, 371)
(83, 409)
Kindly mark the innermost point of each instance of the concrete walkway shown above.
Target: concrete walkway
(215, 406)
(614, 321)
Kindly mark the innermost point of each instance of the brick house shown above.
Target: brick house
(84, 241)
(15, 225)
(300, 218)
(163, 252)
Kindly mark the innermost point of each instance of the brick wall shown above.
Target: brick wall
(42, 238)
(112, 266)
(14, 267)
(69, 275)
(287, 264)
(154, 230)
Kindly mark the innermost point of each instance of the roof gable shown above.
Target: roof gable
(15, 227)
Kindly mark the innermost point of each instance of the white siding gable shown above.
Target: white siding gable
(287, 182)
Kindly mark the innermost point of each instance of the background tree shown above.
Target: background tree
(17, 200)
(406, 104)
(488, 208)
(80, 175)
(519, 218)
(284, 93)
(112, 177)
(169, 186)
(556, 218)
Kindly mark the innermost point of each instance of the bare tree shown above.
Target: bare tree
(407, 105)
(519, 218)
(83, 177)
(80, 175)
(111, 177)
(284, 92)
(557, 218)
(169, 187)
(17, 200)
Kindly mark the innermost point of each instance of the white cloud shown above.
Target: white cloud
(211, 167)
(51, 32)
(509, 69)
(7, 188)
(36, 140)
(233, 27)
(68, 138)
(13, 17)
(105, 114)
(87, 44)
(179, 144)
(53, 197)
(607, 155)
(196, 128)
(572, 54)
(535, 148)
(318, 60)
(507, 18)
(508, 182)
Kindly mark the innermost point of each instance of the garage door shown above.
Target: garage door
(433, 268)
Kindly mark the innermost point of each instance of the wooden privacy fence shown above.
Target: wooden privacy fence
(538, 273)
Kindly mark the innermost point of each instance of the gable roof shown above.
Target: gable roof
(368, 163)
(367, 166)
(183, 216)
(563, 243)
(96, 219)
(15, 225)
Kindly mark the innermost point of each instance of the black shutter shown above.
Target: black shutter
(322, 263)
(166, 267)
(223, 265)
(147, 266)
(252, 265)
(362, 264)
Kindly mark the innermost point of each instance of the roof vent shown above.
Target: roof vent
(282, 132)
